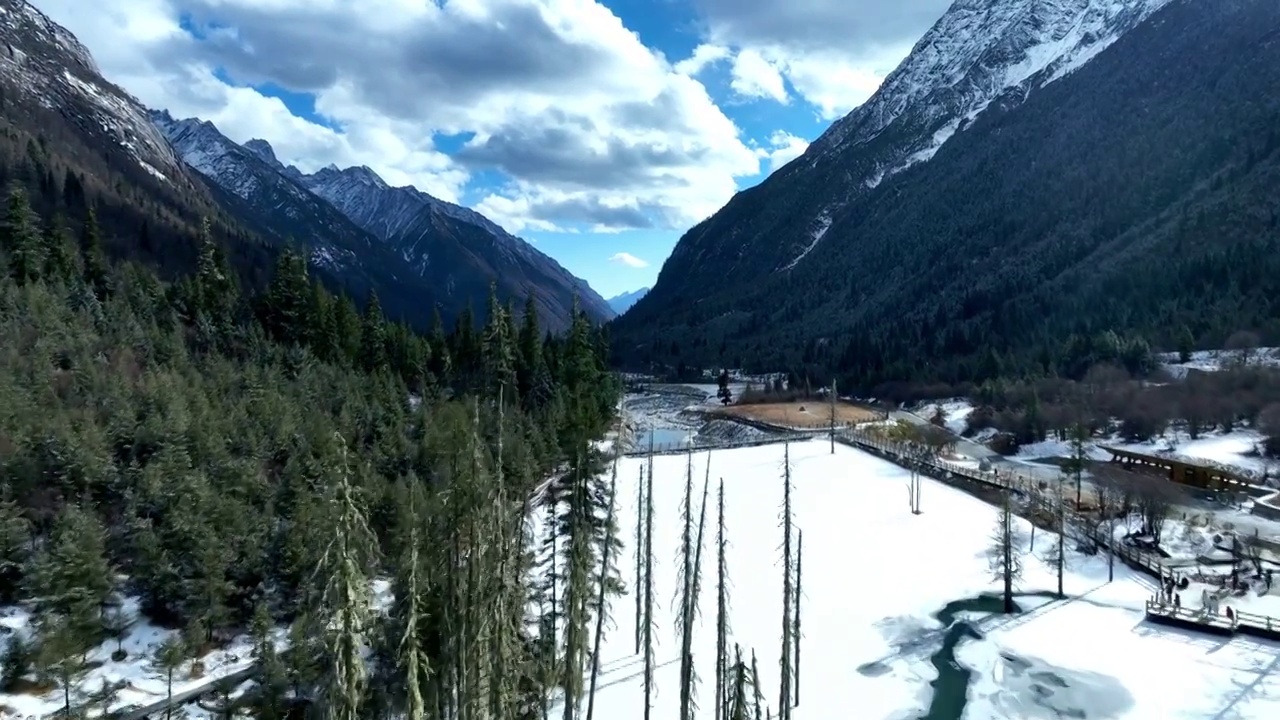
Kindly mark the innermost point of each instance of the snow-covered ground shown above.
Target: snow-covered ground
(1237, 450)
(1214, 360)
(874, 575)
(144, 683)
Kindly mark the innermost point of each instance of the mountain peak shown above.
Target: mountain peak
(263, 150)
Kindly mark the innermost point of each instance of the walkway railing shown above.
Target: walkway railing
(916, 457)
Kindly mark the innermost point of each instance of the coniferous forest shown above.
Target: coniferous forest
(238, 460)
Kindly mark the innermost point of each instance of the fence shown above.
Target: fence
(917, 458)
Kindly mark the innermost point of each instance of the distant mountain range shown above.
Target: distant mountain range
(416, 251)
(1039, 185)
(622, 303)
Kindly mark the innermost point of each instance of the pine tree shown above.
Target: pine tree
(96, 274)
(499, 350)
(287, 306)
(20, 238)
(72, 579)
(15, 541)
(59, 252)
(169, 656)
(216, 295)
(272, 680)
(61, 655)
(373, 340)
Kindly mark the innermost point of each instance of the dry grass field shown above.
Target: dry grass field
(801, 414)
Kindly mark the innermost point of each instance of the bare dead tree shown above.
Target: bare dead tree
(1005, 553)
(1056, 555)
(1108, 495)
(1156, 498)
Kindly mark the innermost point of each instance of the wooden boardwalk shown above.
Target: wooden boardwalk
(1145, 562)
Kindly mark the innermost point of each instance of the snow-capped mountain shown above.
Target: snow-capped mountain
(1022, 166)
(622, 303)
(351, 220)
(47, 64)
(978, 52)
(434, 236)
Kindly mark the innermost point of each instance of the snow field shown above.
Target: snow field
(873, 575)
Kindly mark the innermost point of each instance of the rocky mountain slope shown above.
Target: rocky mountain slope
(1025, 169)
(138, 164)
(91, 144)
(622, 303)
(453, 247)
(353, 222)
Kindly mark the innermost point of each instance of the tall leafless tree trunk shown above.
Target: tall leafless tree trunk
(600, 599)
(799, 594)
(785, 679)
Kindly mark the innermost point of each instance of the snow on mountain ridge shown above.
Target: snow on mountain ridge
(978, 52)
(980, 49)
(47, 63)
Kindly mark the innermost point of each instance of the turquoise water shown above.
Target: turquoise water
(664, 437)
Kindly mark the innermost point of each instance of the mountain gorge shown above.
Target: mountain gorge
(1034, 170)
(361, 235)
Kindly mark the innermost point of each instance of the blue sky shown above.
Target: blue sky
(600, 130)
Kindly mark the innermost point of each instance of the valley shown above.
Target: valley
(950, 389)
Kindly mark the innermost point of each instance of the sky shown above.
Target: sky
(599, 130)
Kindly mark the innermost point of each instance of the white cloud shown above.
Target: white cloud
(591, 127)
(754, 76)
(626, 258)
(833, 53)
(784, 147)
(703, 56)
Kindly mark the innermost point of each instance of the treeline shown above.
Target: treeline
(236, 459)
(1109, 399)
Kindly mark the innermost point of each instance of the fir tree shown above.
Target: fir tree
(373, 340)
(71, 578)
(602, 598)
(169, 656)
(272, 679)
(15, 542)
(649, 618)
(20, 238)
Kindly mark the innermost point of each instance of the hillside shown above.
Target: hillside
(72, 128)
(1124, 185)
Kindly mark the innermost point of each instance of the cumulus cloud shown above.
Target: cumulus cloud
(589, 126)
(833, 53)
(626, 258)
(783, 148)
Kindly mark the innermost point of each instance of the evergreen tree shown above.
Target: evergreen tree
(649, 618)
(20, 238)
(59, 252)
(373, 339)
(96, 274)
(602, 606)
(15, 542)
(169, 656)
(288, 304)
(499, 350)
(272, 679)
(71, 579)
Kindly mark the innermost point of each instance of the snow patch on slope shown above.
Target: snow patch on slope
(823, 224)
(47, 63)
(978, 52)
